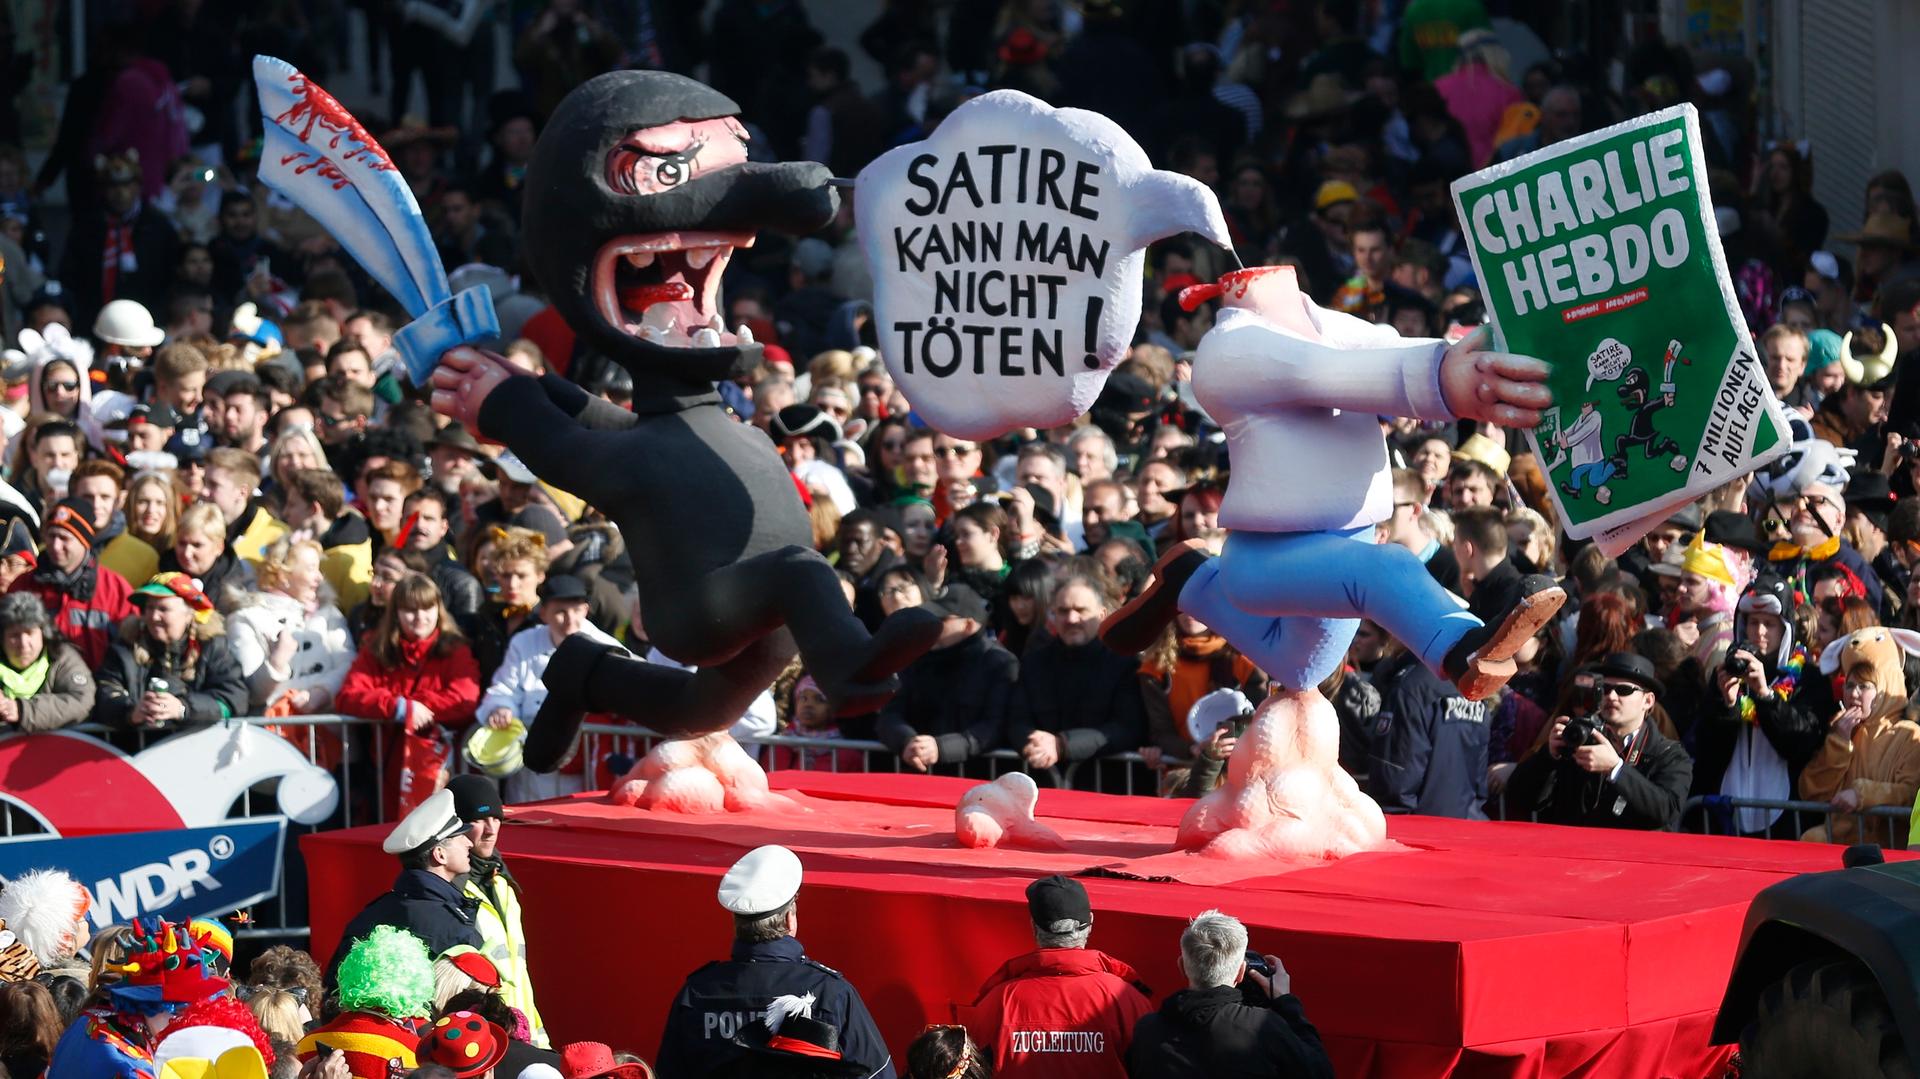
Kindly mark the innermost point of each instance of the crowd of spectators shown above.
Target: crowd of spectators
(221, 497)
(229, 502)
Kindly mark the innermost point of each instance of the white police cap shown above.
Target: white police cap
(430, 822)
(765, 880)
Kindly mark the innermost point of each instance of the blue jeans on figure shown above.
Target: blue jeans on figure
(1291, 601)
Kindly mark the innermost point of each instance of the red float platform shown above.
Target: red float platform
(1475, 950)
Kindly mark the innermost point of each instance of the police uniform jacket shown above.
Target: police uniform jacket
(724, 997)
(422, 904)
(1429, 748)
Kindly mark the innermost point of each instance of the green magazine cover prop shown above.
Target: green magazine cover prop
(1600, 255)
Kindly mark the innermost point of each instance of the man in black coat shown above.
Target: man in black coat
(434, 850)
(1209, 1029)
(1627, 775)
(953, 700)
(1075, 698)
(1429, 745)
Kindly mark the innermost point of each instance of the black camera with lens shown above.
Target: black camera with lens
(1580, 731)
(1737, 665)
(1250, 992)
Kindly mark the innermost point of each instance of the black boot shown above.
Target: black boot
(586, 676)
(1133, 628)
(863, 680)
(1482, 660)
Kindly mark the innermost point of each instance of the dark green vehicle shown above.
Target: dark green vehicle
(1828, 979)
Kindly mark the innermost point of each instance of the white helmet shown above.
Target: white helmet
(125, 322)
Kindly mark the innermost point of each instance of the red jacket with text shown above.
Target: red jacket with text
(1062, 1013)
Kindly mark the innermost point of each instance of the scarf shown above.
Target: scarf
(116, 252)
(77, 585)
(19, 685)
(414, 653)
(485, 870)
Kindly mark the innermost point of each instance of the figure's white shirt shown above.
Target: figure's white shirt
(1302, 416)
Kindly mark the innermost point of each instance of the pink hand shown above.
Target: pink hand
(1499, 387)
(462, 381)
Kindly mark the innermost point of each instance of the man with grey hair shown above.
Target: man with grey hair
(1232, 1019)
(1063, 1011)
(1094, 457)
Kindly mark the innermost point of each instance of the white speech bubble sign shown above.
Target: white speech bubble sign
(1608, 361)
(1007, 253)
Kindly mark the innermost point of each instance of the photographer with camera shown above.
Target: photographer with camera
(1238, 1015)
(1763, 721)
(1611, 768)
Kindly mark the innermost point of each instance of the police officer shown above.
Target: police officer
(434, 851)
(723, 998)
(1429, 744)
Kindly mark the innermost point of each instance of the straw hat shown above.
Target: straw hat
(1883, 228)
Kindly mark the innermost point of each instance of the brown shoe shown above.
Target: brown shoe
(1482, 661)
(1133, 628)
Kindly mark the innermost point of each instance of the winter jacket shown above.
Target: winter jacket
(1214, 1034)
(448, 684)
(1167, 696)
(498, 918)
(254, 532)
(959, 695)
(225, 582)
(1790, 728)
(1647, 795)
(1059, 1013)
(346, 560)
(1429, 749)
(460, 591)
(1881, 761)
(65, 698)
(427, 906)
(1087, 695)
(90, 624)
(216, 691)
(131, 557)
(723, 998)
(319, 664)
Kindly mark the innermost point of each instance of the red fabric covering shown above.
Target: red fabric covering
(1475, 949)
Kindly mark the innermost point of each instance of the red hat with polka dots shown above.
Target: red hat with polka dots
(464, 1042)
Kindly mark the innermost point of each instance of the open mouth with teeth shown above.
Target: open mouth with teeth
(664, 288)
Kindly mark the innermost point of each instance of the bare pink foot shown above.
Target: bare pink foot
(1000, 814)
(708, 774)
(1285, 795)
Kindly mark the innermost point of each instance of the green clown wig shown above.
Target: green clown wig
(389, 972)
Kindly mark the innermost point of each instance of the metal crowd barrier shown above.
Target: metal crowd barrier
(1711, 810)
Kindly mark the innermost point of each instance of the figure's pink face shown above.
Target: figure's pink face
(664, 287)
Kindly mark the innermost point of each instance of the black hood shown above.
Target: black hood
(576, 209)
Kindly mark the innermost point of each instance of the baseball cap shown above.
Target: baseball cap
(1058, 899)
(959, 601)
(1333, 193)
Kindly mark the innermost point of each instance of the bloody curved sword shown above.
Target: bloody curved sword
(320, 158)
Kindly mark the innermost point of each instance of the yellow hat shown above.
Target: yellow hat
(1709, 560)
(1334, 192)
(1486, 451)
(497, 752)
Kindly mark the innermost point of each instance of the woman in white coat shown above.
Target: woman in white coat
(291, 641)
